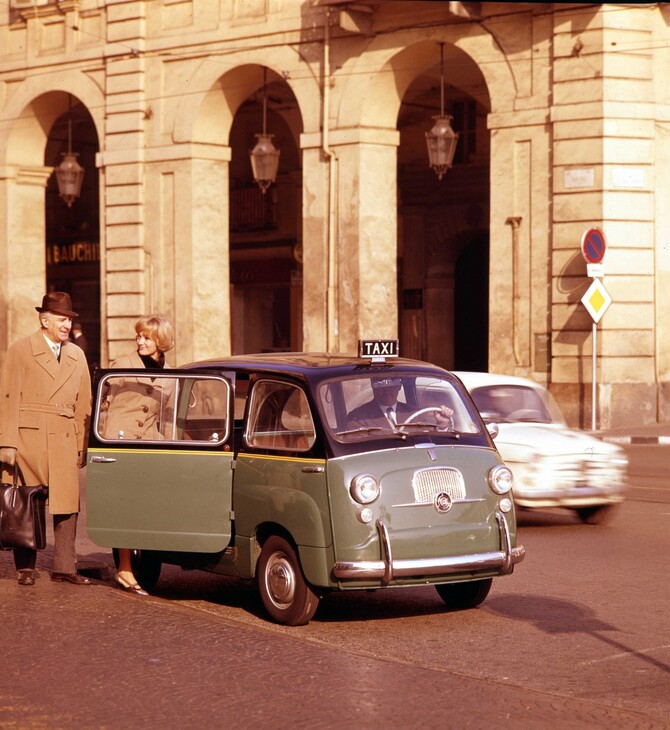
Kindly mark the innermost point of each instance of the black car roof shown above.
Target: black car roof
(311, 366)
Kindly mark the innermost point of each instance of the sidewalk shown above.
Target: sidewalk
(653, 433)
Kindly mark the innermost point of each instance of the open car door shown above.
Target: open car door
(160, 461)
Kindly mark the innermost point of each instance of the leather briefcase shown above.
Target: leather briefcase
(22, 515)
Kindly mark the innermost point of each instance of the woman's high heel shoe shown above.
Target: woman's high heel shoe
(135, 588)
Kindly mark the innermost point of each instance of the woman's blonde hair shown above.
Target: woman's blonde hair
(159, 329)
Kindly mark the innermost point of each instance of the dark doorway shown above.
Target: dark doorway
(471, 307)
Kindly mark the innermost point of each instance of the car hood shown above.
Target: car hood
(552, 439)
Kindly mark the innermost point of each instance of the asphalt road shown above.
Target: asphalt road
(576, 638)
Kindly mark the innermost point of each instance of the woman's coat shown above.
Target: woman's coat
(137, 406)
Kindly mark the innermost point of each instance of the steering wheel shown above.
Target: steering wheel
(430, 409)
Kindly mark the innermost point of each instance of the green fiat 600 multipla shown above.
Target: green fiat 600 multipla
(308, 473)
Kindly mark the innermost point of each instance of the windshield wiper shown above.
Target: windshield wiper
(362, 429)
(388, 432)
(430, 426)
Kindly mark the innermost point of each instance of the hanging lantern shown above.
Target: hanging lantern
(264, 156)
(264, 161)
(441, 140)
(69, 174)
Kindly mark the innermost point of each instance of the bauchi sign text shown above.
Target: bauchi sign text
(73, 253)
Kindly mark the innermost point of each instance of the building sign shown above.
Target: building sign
(73, 253)
(581, 178)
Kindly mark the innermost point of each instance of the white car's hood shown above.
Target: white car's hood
(552, 439)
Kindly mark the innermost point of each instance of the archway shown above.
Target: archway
(72, 232)
(440, 219)
(265, 228)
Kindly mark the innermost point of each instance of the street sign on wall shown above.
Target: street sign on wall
(596, 300)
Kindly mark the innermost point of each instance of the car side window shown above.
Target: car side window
(279, 418)
(162, 408)
(203, 410)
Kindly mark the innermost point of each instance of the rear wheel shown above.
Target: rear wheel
(464, 595)
(599, 515)
(146, 567)
(286, 596)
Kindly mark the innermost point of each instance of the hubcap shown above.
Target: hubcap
(280, 580)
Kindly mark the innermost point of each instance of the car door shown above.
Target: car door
(160, 461)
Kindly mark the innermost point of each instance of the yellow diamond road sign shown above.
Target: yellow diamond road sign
(596, 300)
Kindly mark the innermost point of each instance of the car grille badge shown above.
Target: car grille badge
(442, 502)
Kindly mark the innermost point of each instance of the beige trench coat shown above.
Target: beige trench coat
(44, 411)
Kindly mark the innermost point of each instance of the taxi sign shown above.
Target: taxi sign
(593, 245)
(377, 350)
(596, 300)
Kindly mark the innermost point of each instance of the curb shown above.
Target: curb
(636, 439)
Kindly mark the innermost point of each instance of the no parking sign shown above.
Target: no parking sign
(593, 250)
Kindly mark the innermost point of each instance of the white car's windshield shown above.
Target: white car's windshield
(385, 405)
(509, 403)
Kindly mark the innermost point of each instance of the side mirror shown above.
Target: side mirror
(493, 429)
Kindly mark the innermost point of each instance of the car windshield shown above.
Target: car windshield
(506, 403)
(390, 405)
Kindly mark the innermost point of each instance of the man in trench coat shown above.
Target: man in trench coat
(45, 404)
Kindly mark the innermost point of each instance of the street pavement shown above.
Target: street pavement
(97, 657)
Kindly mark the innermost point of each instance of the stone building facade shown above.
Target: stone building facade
(563, 119)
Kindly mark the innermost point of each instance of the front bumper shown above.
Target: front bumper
(387, 569)
(567, 497)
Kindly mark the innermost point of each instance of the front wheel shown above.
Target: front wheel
(286, 596)
(464, 595)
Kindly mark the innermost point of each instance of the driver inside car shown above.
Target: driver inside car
(387, 412)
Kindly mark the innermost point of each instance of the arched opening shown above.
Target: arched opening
(442, 313)
(72, 233)
(265, 228)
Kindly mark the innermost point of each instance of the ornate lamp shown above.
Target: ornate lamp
(441, 140)
(264, 156)
(69, 174)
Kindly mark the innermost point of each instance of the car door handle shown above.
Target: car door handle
(102, 460)
(313, 469)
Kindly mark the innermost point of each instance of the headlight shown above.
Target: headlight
(364, 488)
(500, 479)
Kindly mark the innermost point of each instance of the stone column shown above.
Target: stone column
(122, 191)
(315, 249)
(367, 305)
(22, 259)
(187, 246)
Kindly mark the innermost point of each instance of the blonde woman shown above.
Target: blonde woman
(137, 406)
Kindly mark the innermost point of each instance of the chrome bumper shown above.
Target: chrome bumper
(388, 569)
(568, 497)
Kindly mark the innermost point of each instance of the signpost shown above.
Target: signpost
(596, 300)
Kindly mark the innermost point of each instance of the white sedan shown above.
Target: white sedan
(553, 465)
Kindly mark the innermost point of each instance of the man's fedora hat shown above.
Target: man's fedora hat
(58, 302)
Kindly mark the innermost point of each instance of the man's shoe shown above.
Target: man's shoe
(78, 580)
(26, 577)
